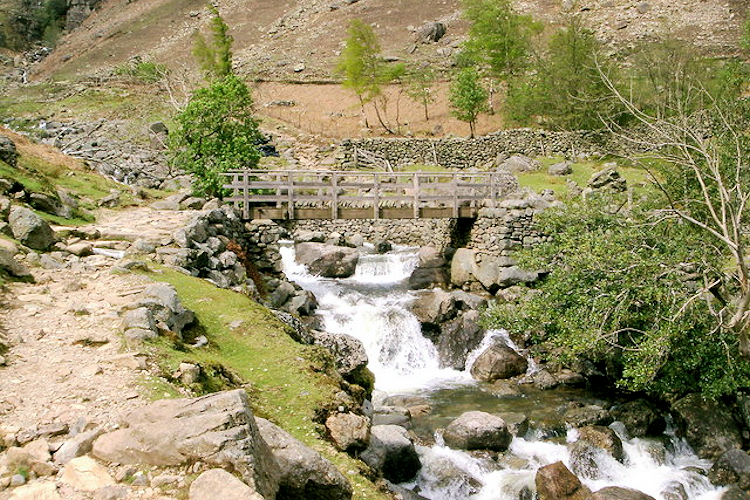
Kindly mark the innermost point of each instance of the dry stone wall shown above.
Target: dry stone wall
(462, 153)
(412, 232)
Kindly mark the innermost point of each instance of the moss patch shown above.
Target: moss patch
(287, 382)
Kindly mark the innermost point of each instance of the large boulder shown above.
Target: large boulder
(218, 484)
(498, 362)
(514, 275)
(732, 467)
(8, 152)
(519, 163)
(218, 429)
(463, 267)
(560, 168)
(348, 352)
(328, 261)
(429, 277)
(707, 426)
(641, 418)
(30, 229)
(477, 430)
(603, 438)
(10, 265)
(556, 482)
(458, 337)
(349, 432)
(608, 179)
(431, 32)
(392, 453)
(434, 306)
(305, 474)
(618, 493)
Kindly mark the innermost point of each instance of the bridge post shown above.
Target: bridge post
(454, 185)
(290, 195)
(376, 198)
(492, 190)
(416, 195)
(245, 194)
(334, 195)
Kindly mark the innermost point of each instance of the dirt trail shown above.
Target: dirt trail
(66, 361)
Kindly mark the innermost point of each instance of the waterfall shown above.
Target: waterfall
(371, 306)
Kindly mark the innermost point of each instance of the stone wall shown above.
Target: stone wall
(495, 232)
(411, 232)
(462, 153)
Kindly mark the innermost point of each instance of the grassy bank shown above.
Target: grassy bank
(287, 382)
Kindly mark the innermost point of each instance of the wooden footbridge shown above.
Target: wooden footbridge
(302, 194)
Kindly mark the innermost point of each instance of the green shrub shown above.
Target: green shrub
(143, 70)
(626, 291)
(216, 132)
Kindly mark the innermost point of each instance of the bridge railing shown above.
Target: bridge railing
(349, 194)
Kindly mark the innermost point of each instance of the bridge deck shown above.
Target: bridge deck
(302, 194)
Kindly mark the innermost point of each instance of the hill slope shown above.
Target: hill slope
(274, 36)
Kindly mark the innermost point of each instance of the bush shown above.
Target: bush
(626, 291)
(566, 89)
(216, 132)
(467, 97)
(142, 70)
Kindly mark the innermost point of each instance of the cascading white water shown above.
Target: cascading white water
(371, 307)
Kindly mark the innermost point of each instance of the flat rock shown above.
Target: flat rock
(217, 429)
(85, 474)
(218, 484)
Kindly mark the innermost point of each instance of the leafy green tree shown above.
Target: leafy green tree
(467, 97)
(420, 82)
(215, 56)
(499, 37)
(566, 89)
(360, 63)
(215, 132)
(628, 292)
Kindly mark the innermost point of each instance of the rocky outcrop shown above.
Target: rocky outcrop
(498, 362)
(640, 417)
(30, 229)
(218, 429)
(158, 311)
(608, 179)
(732, 467)
(218, 484)
(477, 430)
(8, 152)
(348, 352)
(556, 482)
(603, 438)
(305, 474)
(391, 452)
(707, 426)
(328, 261)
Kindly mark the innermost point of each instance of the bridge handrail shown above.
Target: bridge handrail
(332, 188)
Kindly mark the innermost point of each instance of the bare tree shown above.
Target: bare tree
(701, 164)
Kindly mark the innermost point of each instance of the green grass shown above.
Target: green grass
(582, 172)
(287, 382)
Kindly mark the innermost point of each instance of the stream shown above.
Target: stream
(371, 305)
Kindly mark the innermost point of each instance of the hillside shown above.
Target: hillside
(273, 38)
